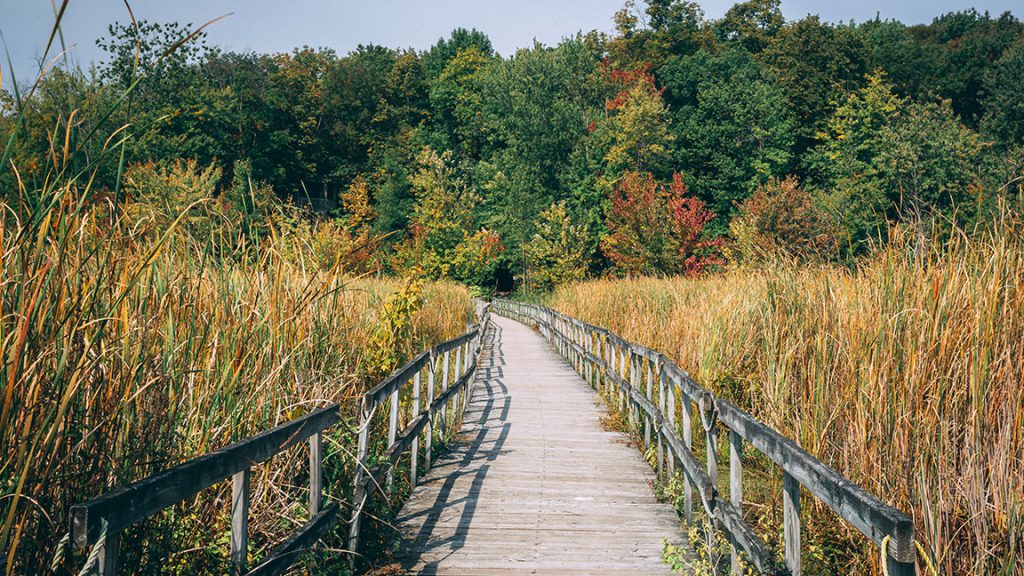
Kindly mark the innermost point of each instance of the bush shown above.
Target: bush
(781, 218)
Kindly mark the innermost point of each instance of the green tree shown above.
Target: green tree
(559, 251)
(1003, 99)
(885, 158)
(815, 63)
(753, 24)
(732, 128)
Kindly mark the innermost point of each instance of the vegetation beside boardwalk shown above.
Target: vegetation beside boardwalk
(903, 374)
(137, 334)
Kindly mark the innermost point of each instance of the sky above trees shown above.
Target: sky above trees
(268, 26)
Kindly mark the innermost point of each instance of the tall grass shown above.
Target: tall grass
(906, 375)
(121, 358)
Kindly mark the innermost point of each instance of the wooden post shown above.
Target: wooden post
(707, 407)
(649, 391)
(687, 415)
(633, 369)
(428, 452)
(359, 489)
(392, 434)
(897, 568)
(670, 388)
(469, 385)
(791, 522)
(661, 408)
(415, 448)
(455, 380)
(239, 522)
(736, 486)
(107, 565)
(316, 477)
(444, 407)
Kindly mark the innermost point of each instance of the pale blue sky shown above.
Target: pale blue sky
(280, 25)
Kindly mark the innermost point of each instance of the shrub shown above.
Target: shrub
(781, 218)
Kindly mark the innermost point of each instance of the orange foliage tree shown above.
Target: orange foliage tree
(657, 230)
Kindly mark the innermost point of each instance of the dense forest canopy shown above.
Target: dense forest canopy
(673, 145)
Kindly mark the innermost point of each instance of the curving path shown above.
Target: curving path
(535, 484)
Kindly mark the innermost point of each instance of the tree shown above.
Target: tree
(732, 128)
(783, 218)
(753, 24)
(634, 134)
(1003, 99)
(443, 240)
(656, 230)
(815, 64)
(440, 54)
(559, 251)
(885, 158)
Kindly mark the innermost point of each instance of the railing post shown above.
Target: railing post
(661, 408)
(707, 407)
(316, 478)
(469, 385)
(686, 411)
(791, 522)
(108, 557)
(415, 448)
(239, 522)
(736, 486)
(455, 380)
(359, 486)
(429, 448)
(633, 369)
(669, 387)
(445, 367)
(392, 434)
(649, 393)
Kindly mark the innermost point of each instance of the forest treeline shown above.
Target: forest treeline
(674, 145)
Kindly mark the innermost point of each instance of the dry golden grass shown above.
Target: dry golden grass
(122, 356)
(906, 375)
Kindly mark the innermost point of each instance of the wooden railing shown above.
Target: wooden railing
(97, 524)
(652, 389)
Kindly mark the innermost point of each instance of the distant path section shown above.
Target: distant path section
(535, 484)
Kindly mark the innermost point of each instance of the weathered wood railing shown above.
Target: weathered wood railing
(652, 390)
(97, 524)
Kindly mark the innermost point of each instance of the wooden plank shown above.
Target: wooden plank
(791, 522)
(126, 506)
(316, 473)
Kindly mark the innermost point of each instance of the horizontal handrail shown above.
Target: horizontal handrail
(126, 506)
(578, 340)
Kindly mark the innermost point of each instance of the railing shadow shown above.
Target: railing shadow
(481, 441)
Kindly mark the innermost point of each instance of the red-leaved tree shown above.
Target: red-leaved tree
(657, 230)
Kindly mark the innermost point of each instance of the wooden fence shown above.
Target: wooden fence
(97, 524)
(653, 390)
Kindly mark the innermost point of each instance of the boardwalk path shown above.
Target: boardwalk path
(535, 485)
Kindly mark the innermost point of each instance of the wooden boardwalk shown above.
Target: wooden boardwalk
(535, 485)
